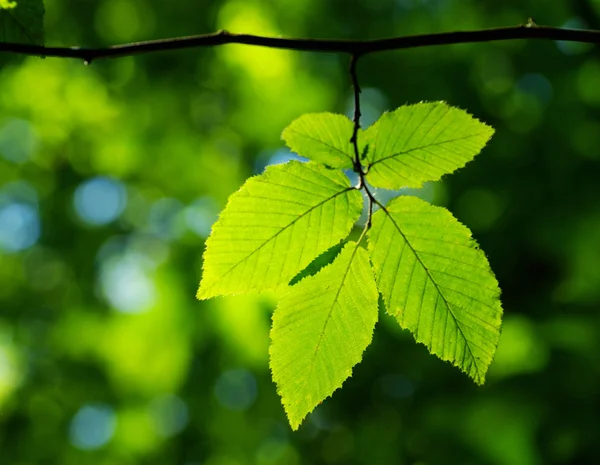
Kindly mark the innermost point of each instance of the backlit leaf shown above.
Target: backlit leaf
(320, 330)
(422, 142)
(322, 137)
(437, 282)
(275, 225)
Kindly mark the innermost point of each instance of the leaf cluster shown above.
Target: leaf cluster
(433, 278)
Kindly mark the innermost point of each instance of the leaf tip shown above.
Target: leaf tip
(202, 293)
(479, 376)
(294, 420)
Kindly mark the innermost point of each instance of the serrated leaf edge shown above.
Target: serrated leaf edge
(201, 293)
(296, 424)
(480, 379)
(369, 164)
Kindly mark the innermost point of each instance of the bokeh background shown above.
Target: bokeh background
(112, 174)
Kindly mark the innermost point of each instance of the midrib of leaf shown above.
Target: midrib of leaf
(282, 230)
(433, 144)
(437, 287)
(321, 142)
(416, 127)
(337, 295)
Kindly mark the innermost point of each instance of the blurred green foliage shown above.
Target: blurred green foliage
(22, 21)
(111, 175)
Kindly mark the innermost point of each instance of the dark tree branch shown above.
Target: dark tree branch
(353, 47)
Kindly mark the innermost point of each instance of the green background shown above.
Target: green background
(111, 175)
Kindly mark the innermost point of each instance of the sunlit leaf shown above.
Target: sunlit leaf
(320, 330)
(275, 225)
(22, 21)
(422, 142)
(437, 283)
(322, 137)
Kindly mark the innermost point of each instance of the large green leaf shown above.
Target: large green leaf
(275, 225)
(437, 282)
(422, 142)
(22, 21)
(320, 330)
(322, 137)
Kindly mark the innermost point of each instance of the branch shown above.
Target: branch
(353, 47)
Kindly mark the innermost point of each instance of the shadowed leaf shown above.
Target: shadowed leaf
(22, 21)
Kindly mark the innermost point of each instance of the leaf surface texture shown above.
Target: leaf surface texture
(322, 137)
(422, 142)
(275, 225)
(320, 330)
(437, 282)
(22, 21)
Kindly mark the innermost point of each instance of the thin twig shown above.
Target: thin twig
(372, 200)
(358, 168)
(354, 47)
(356, 119)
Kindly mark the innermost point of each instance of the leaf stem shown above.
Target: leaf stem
(372, 200)
(358, 168)
(354, 139)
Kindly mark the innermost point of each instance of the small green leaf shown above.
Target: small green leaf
(320, 330)
(437, 283)
(422, 142)
(275, 225)
(22, 21)
(322, 137)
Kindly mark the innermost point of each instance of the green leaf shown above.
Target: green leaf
(23, 22)
(275, 225)
(322, 137)
(437, 282)
(422, 142)
(320, 330)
